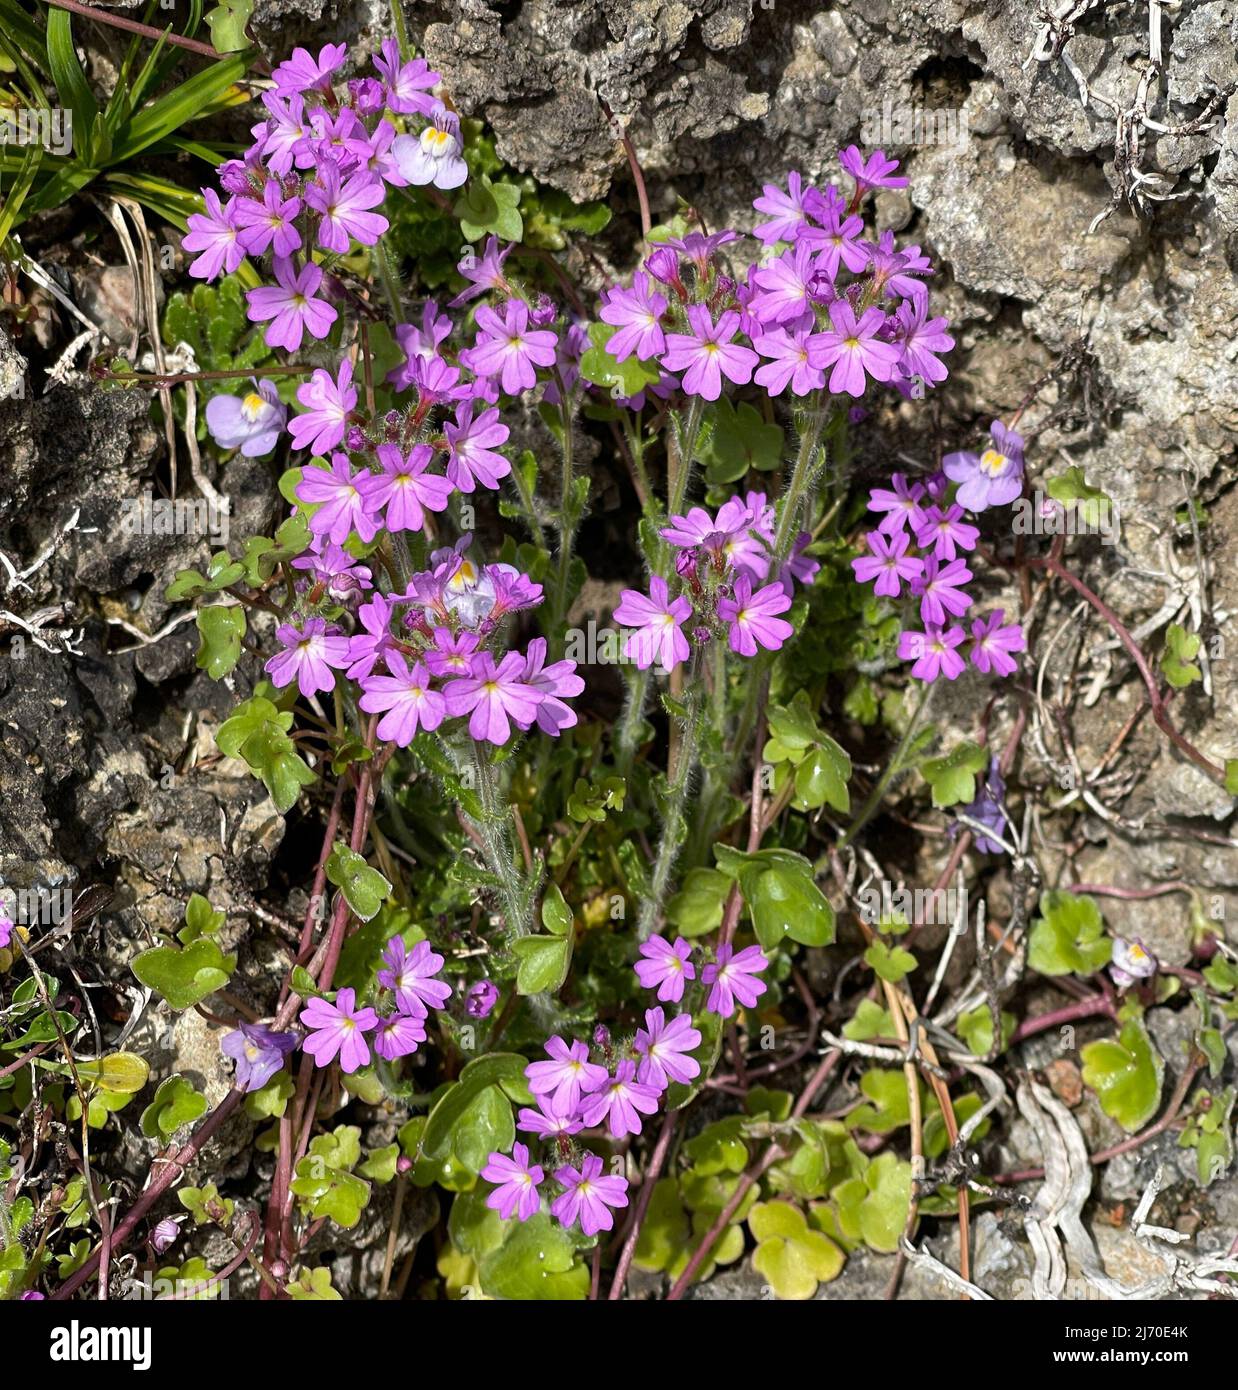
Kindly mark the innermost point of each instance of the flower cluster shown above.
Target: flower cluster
(431, 653)
(730, 976)
(831, 309)
(918, 543)
(722, 568)
(338, 1029)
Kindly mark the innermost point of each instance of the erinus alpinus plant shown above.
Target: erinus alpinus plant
(598, 984)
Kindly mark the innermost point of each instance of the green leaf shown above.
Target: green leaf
(1068, 936)
(781, 896)
(739, 439)
(227, 23)
(313, 1286)
(71, 85)
(484, 208)
(622, 379)
(975, 1027)
(176, 1104)
(1126, 1075)
(870, 1021)
(874, 1208)
(184, 976)
(503, 1069)
(1231, 776)
(201, 919)
(1073, 487)
(556, 915)
(891, 963)
(120, 1073)
(590, 802)
(364, 888)
(791, 1258)
(544, 963)
(537, 1262)
(1210, 1132)
(221, 629)
(697, 908)
(1178, 658)
(486, 1126)
(953, 777)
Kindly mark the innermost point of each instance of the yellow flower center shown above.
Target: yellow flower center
(992, 462)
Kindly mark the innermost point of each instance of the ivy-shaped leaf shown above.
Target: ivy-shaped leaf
(221, 629)
(1126, 1074)
(889, 962)
(176, 1104)
(1178, 659)
(697, 908)
(624, 379)
(184, 976)
(781, 895)
(740, 439)
(792, 1259)
(953, 777)
(364, 888)
(486, 208)
(1068, 937)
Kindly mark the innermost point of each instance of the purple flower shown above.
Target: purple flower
(718, 534)
(471, 453)
(303, 72)
(166, 1233)
(921, 338)
(215, 234)
(6, 930)
(751, 617)
(1131, 961)
(493, 694)
(589, 1196)
(637, 315)
(991, 479)
(399, 1035)
(987, 810)
(251, 422)
(258, 1052)
(341, 505)
(784, 286)
(852, 347)
(940, 590)
(900, 502)
(566, 1077)
(344, 207)
(946, 532)
(485, 274)
(406, 83)
(874, 172)
(517, 1181)
(328, 404)
(933, 652)
(887, 562)
(404, 488)
(407, 698)
(546, 1122)
(707, 354)
(837, 240)
(618, 1101)
(508, 348)
(451, 655)
(786, 210)
(667, 966)
(481, 999)
(291, 305)
(308, 656)
(366, 648)
(657, 621)
(436, 156)
(269, 223)
(551, 682)
(410, 977)
(662, 1047)
(338, 1029)
(732, 977)
(992, 643)
(791, 365)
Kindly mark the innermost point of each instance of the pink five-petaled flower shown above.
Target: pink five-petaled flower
(328, 403)
(732, 976)
(618, 1101)
(308, 656)
(637, 316)
(566, 1077)
(409, 975)
(657, 621)
(303, 72)
(666, 965)
(852, 347)
(407, 698)
(887, 562)
(344, 206)
(398, 1035)
(707, 354)
(589, 1196)
(933, 652)
(291, 305)
(545, 1123)
(508, 348)
(791, 363)
(494, 694)
(662, 1047)
(216, 235)
(940, 590)
(946, 532)
(877, 171)
(752, 617)
(992, 643)
(338, 1029)
(786, 210)
(485, 274)
(271, 222)
(900, 502)
(404, 487)
(342, 506)
(406, 83)
(517, 1181)
(471, 452)
(551, 682)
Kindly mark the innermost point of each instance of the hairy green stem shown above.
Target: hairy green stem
(801, 478)
(494, 831)
(674, 823)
